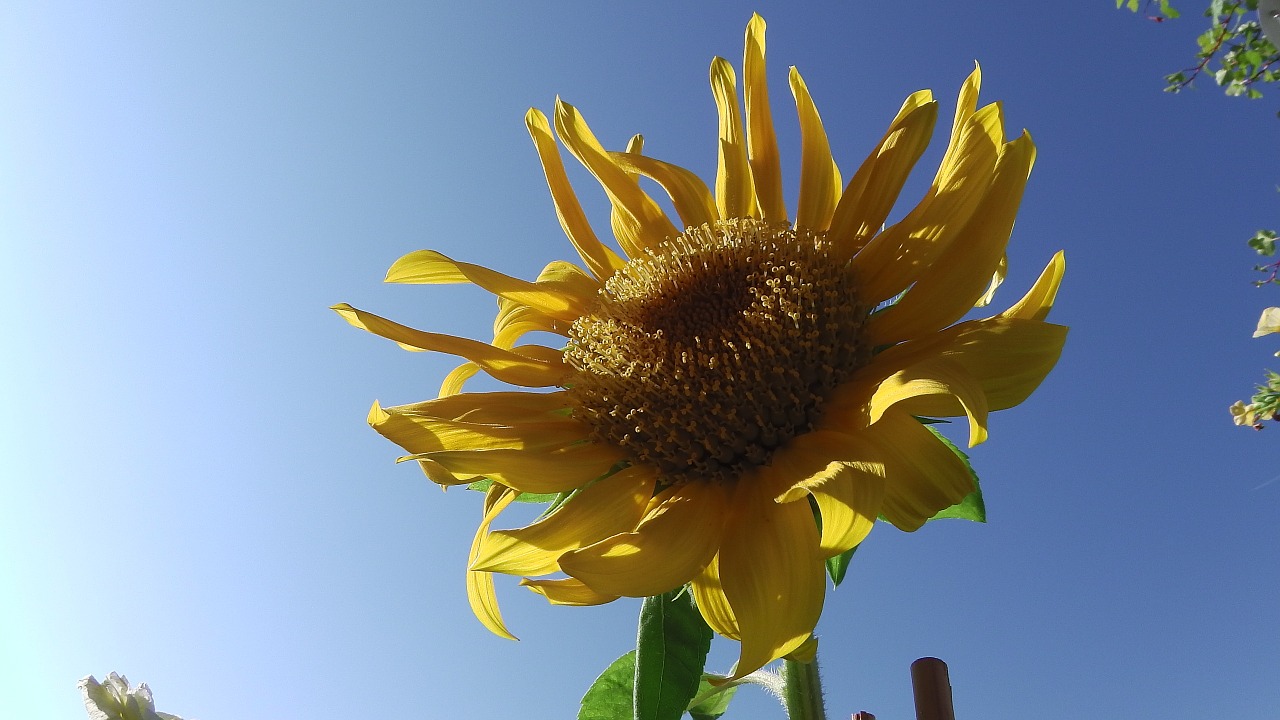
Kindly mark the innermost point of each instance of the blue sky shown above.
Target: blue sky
(192, 498)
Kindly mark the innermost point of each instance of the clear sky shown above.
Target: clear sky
(191, 496)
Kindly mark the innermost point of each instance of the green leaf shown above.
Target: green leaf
(971, 507)
(671, 651)
(715, 705)
(837, 566)
(610, 696)
(1264, 241)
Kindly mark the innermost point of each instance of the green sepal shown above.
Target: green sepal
(610, 697)
(971, 507)
(483, 484)
(671, 651)
(837, 566)
(716, 702)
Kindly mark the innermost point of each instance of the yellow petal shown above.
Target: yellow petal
(923, 476)
(997, 279)
(605, 508)
(936, 376)
(533, 471)
(690, 196)
(514, 321)
(762, 145)
(667, 550)
(735, 190)
(422, 434)
(494, 408)
(600, 260)
(966, 106)
(819, 176)
(480, 592)
(1035, 305)
(567, 591)
(453, 382)
(623, 191)
(892, 260)
(505, 365)
(624, 225)
(708, 593)
(849, 501)
(1008, 357)
(949, 287)
(431, 267)
(874, 188)
(773, 575)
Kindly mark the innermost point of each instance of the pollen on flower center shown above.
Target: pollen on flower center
(711, 350)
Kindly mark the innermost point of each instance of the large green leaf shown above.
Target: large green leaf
(971, 507)
(610, 697)
(671, 651)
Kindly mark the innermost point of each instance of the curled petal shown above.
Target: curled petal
(567, 591)
(433, 268)
(480, 592)
(937, 376)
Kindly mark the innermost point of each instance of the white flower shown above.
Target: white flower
(113, 700)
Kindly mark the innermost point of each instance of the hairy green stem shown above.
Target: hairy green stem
(802, 690)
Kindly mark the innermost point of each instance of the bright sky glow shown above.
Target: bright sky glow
(191, 495)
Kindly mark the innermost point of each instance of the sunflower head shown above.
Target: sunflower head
(721, 383)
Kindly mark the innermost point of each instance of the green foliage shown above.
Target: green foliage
(660, 678)
(1264, 406)
(1244, 57)
(610, 696)
(671, 651)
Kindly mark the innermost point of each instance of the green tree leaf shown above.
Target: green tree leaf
(610, 696)
(971, 507)
(671, 651)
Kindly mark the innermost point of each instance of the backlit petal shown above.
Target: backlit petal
(667, 550)
(708, 593)
(533, 471)
(819, 176)
(690, 196)
(773, 576)
(431, 267)
(914, 388)
(735, 190)
(762, 145)
(603, 509)
(949, 288)
(923, 475)
(505, 365)
(480, 592)
(567, 591)
(1035, 305)
(873, 189)
(600, 260)
(623, 191)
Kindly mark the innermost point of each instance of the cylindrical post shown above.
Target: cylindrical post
(932, 687)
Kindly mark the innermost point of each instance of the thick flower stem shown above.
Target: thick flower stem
(802, 690)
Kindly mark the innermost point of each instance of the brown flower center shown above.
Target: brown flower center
(713, 349)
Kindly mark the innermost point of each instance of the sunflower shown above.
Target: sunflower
(739, 394)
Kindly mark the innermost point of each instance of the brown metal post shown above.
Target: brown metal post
(864, 716)
(932, 687)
